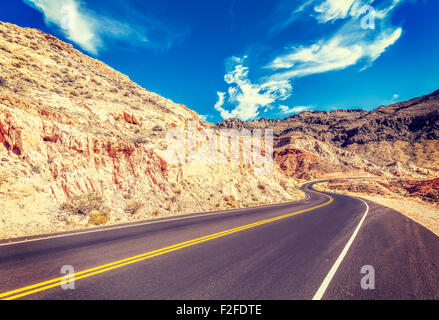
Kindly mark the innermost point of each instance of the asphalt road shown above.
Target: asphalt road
(314, 248)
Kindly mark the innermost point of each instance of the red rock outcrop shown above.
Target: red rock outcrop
(296, 163)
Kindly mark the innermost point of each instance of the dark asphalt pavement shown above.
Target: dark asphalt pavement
(286, 258)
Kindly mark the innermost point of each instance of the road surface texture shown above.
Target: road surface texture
(310, 249)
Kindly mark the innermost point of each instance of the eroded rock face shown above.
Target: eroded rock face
(79, 139)
(400, 139)
(427, 190)
(55, 159)
(406, 121)
(297, 163)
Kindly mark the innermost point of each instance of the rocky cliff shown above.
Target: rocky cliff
(83, 145)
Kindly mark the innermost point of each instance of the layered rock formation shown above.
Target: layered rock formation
(401, 139)
(413, 120)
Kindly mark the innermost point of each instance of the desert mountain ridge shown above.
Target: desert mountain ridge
(404, 133)
(82, 145)
(413, 120)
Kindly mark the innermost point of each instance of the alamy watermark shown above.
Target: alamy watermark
(195, 145)
(368, 281)
(68, 281)
(368, 17)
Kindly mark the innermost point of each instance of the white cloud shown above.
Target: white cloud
(337, 53)
(298, 109)
(320, 57)
(348, 46)
(92, 31)
(330, 10)
(395, 96)
(73, 21)
(248, 98)
(204, 117)
(293, 16)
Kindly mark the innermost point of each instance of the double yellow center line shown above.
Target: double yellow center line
(22, 292)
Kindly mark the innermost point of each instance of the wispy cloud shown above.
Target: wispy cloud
(331, 10)
(337, 53)
(205, 117)
(92, 31)
(76, 24)
(247, 98)
(348, 46)
(298, 109)
(343, 42)
(294, 14)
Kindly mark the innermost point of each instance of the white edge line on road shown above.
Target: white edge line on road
(134, 225)
(116, 228)
(321, 291)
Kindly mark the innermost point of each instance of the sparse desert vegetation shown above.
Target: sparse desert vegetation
(84, 204)
(99, 218)
(134, 207)
(3, 177)
(90, 205)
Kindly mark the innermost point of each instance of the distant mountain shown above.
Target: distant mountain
(413, 120)
(406, 132)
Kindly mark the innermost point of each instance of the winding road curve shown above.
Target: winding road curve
(310, 249)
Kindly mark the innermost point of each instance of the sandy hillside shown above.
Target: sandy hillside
(417, 199)
(82, 145)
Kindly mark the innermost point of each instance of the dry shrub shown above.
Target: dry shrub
(3, 177)
(134, 207)
(98, 218)
(140, 140)
(231, 202)
(229, 199)
(84, 204)
(5, 49)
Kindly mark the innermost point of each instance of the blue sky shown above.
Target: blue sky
(250, 59)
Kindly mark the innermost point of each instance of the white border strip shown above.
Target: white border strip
(321, 291)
